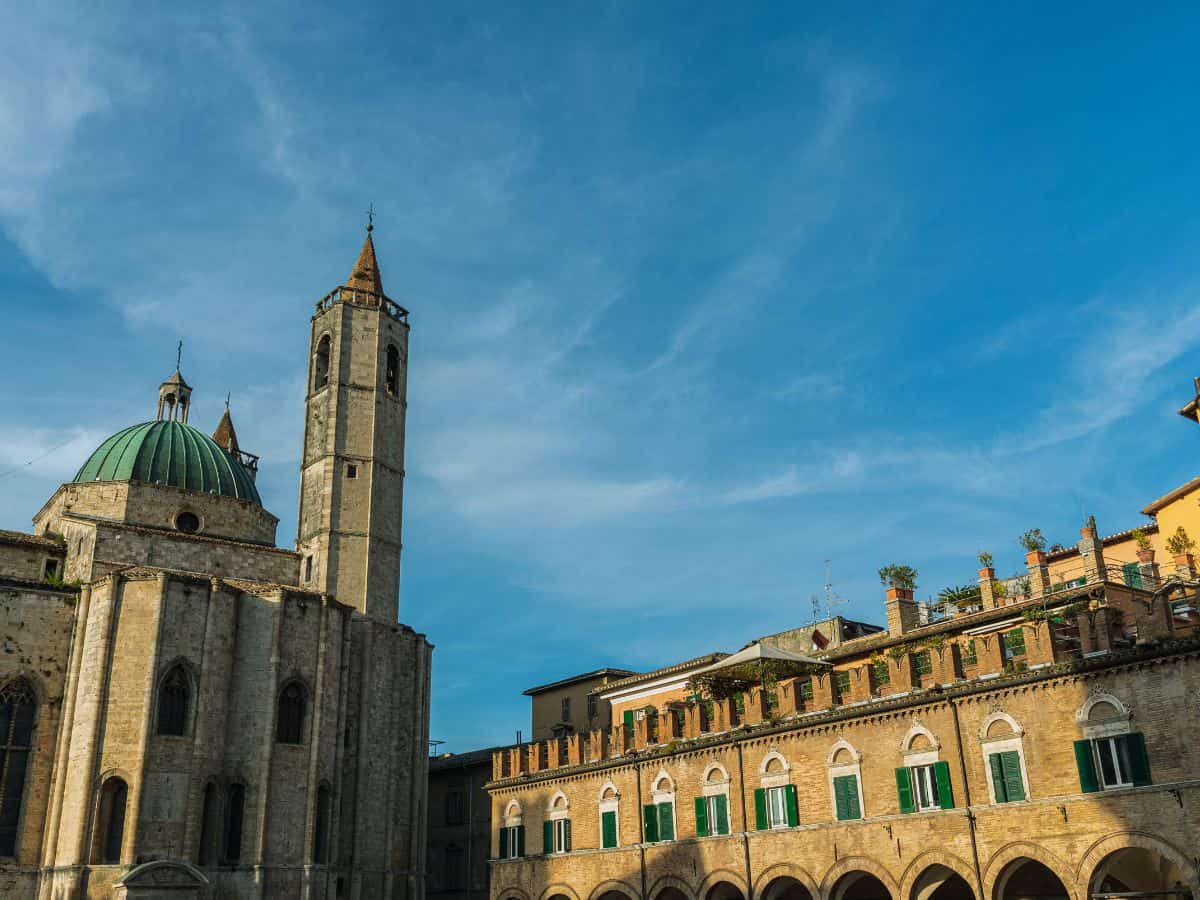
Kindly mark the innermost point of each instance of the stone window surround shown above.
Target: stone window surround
(837, 770)
(711, 787)
(555, 812)
(512, 815)
(665, 794)
(1110, 727)
(774, 779)
(1001, 744)
(610, 804)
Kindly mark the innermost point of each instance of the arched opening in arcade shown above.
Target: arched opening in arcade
(614, 895)
(1134, 872)
(1028, 879)
(860, 886)
(941, 883)
(786, 888)
(671, 893)
(723, 890)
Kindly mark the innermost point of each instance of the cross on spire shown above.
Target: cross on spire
(371, 218)
(179, 356)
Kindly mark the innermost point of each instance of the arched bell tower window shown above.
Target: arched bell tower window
(321, 364)
(392, 372)
(289, 728)
(18, 712)
(173, 696)
(235, 809)
(110, 823)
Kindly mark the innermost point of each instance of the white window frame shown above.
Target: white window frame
(922, 776)
(716, 787)
(1003, 744)
(1104, 731)
(838, 770)
(613, 805)
(660, 794)
(512, 819)
(1107, 745)
(771, 795)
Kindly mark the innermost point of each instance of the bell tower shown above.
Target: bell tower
(352, 471)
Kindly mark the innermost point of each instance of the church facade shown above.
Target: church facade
(188, 710)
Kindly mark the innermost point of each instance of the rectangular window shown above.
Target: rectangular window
(842, 681)
(717, 809)
(51, 572)
(351, 470)
(1113, 762)
(1007, 783)
(879, 671)
(969, 655)
(776, 808)
(454, 808)
(566, 709)
(924, 787)
(1014, 643)
(922, 665)
(806, 689)
(562, 835)
(608, 829)
(308, 568)
(666, 821)
(845, 797)
(510, 842)
(591, 706)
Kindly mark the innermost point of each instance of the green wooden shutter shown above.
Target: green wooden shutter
(1014, 785)
(567, 835)
(666, 821)
(722, 823)
(996, 764)
(845, 797)
(649, 824)
(760, 809)
(608, 829)
(1086, 763)
(1139, 763)
(904, 790)
(547, 837)
(1133, 574)
(941, 774)
(520, 840)
(701, 817)
(793, 812)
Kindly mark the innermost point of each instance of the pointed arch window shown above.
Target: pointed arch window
(110, 823)
(392, 372)
(235, 809)
(210, 825)
(321, 364)
(18, 712)
(289, 727)
(173, 696)
(321, 829)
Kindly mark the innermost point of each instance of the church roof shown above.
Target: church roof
(365, 274)
(169, 453)
(225, 436)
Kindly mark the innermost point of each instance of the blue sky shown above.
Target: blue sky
(701, 296)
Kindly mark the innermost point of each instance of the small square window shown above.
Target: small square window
(51, 572)
(308, 568)
(351, 471)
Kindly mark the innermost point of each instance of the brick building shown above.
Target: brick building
(1034, 739)
(460, 825)
(187, 710)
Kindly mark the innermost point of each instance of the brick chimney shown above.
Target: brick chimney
(901, 611)
(1039, 573)
(987, 592)
(1091, 551)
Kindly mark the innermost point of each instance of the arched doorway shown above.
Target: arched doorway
(1136, 870)
(1028, 879)
(723, 890)
(860, 886)
(786, 888)
(940, 882)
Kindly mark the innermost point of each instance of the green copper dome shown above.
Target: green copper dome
(170, 453)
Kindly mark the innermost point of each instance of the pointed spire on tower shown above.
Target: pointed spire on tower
(225, 436)
(365, 274)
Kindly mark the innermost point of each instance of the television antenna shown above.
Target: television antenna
(832, 598)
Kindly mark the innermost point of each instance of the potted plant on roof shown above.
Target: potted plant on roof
(1034, 545)
(900, 581)
(1180, 546)
(1145, 553)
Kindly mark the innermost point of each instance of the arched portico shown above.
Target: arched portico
(1028, 879)
(940, 882)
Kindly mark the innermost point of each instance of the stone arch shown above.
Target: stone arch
(918, 729)
(784, 870)
(663, 782)
(1130, 840)
(512, 809)
(842, 744)
(718, 875)
(554, 798)
(1003, 858)
(30, 679)
(848, 864)
(770, 757)
(1083, 714)
(714, 766)
(605, 788)
(995, 717)
(558, 889)
(667, 882)
(513, 893)
(162, 873)
(930, 858)
(618, 887)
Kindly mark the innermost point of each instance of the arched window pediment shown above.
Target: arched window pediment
(913, 743)
(999, 725)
